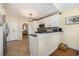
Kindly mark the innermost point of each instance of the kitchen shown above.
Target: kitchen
(45, 28)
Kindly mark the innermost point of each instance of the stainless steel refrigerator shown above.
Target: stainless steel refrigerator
(5, 34)
(5, 31)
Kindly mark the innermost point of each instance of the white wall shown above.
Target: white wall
(14, 31)
(70, 32)
(15, 27)
(9, 20)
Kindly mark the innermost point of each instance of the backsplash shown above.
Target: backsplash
(43, 29)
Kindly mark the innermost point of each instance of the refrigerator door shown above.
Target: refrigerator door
(1, 40)
(5, 34)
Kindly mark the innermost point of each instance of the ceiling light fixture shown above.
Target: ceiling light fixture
(30, 18)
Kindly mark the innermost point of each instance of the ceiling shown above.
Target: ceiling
(66, 6)
(22, 10)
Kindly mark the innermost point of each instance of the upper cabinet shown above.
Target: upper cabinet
(52, 21)
(33, 27)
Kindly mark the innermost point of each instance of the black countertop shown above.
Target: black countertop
(34, 35)
(49, 32)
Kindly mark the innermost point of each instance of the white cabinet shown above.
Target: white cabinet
(1, 40)
(52, 21)
(33, 27)
(33, 46)
(48, 42)
(44, 44)
(33, 41)
(30, 28)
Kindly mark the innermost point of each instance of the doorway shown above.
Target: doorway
(25, 35)
(24, 31)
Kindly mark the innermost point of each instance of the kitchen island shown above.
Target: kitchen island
(43, 44)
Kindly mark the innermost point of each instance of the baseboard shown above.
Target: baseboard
(14, 40)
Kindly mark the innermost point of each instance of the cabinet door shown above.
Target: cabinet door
(33, 27)
(1, 40)
(48, 43)
(30, 28)
(33, 46)
(52, 21)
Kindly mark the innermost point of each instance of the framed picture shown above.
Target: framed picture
(72, 20)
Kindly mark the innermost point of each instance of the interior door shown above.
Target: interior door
(13, 30)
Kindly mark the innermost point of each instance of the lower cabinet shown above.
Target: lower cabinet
(33, 46)
(44, 44)
(48, 43)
